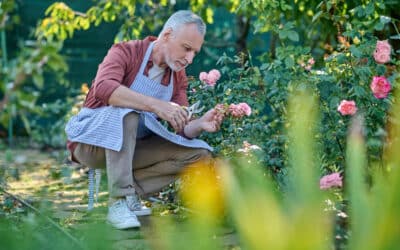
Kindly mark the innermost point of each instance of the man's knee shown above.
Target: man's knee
(197, 155)
(131, 120)
(90, 156)
(204, 154)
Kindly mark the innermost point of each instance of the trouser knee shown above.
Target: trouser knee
(198, 156)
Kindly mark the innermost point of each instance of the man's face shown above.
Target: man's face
(182, 45)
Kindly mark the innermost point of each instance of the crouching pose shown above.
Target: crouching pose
(139, 84)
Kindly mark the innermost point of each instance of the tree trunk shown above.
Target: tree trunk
(243, 27)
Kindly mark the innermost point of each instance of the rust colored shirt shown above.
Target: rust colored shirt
(120, 67)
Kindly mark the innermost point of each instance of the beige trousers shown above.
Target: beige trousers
(143, 165)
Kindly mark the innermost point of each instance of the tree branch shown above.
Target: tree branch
(220, 44)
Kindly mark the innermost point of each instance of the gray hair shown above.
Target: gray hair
(184, 17)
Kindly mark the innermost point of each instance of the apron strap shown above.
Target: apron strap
(146, 58)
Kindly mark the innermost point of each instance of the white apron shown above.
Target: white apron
(102, 126)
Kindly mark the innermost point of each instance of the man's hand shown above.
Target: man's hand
(168, 111)
(173, 113)
(210, 122)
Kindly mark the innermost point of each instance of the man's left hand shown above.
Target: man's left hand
(211, 120)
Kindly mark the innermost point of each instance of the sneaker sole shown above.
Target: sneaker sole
(125, 224)
(143, 212)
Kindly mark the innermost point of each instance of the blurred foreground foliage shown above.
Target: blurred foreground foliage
(237, 193)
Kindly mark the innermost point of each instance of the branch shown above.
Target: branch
(220, 44)
(80, 14)
(210, 53)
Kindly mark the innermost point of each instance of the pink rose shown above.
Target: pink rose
(331, 180)
(239, 110)
(382, 52)
(380, 87)
(235, 111)
(214, 75)
(383, 46)
(347, 107)
(311, 61)
(245, 108)
(211, 78)
(203, 76)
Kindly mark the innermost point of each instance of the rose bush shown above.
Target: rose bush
(356, 76)
(244, 118)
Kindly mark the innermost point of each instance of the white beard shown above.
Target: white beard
(173, 67)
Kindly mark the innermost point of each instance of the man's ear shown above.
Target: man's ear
(167, 34)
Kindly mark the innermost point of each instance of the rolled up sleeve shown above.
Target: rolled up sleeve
(110, 73)
(180, 95)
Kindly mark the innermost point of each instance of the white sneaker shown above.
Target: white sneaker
(136, 206)
(120, 216)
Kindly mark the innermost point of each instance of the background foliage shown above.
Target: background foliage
(265, 55)
(341, 41)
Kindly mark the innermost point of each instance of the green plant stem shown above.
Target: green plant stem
(395, 27)
(52, 222)
(363, 101)
(336, 139)
(5, 63)
(3, 47)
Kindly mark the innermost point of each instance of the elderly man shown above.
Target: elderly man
(138, 84)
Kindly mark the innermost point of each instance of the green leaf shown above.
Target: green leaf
(293, 35)
(360, 12)
(316, 16)
(334, 102)
(355, 51)
(384, 19)
(359, 91)
(379, 26)
(38, 80)
(108, 5)
(341, 58)
(26, 122)
(283, 34)
(370, 8)
(395, 37)
(380, 69)
(289, 62)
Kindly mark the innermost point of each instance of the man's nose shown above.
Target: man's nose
(189, 57)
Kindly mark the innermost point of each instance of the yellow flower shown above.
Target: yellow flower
(84, 88)
(356, 40)
(202, 191)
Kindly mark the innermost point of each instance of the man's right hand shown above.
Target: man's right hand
(173, 113)
(168, 111)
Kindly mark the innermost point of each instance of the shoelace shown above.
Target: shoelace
(133, 202)
(119, 207)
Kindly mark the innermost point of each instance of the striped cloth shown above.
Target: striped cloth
(102, 126)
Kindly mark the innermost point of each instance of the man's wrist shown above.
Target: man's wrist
(153, 105)
(193, 128)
